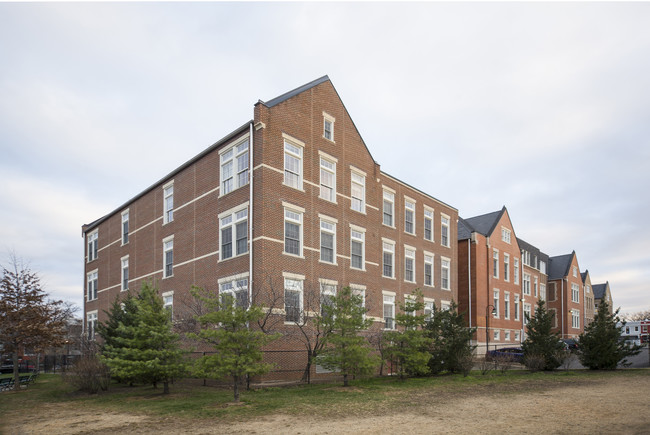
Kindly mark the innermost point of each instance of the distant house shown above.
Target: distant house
(635, 331)
(590, 309)
(603, 293)
(566, 295)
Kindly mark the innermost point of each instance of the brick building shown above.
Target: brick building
(590, 309)
(534, 277)
(602, 292)
(566, 295)
(283, 211)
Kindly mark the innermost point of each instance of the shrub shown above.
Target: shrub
(535, 361)
(88, 374)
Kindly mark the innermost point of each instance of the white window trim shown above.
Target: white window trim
(412, 257)
(235, 174)
(429, 304)
(88, 275)
(387, 190)
(331, 119)
(448, 226)
(165, 295)
(333, 222)
(363, 246)
(506, 234)
(383, 317)
(301, 212)
(126, 214)
(495, 263)
(92, 237)
(516, 307)
(128, 267)
(516, 269)
(298, 144)
(166, 211)
(233, 230)
(506, 305)
(428, 210)
(506, 267)
(408, 200)
(95, 317)
(333, 161)
(165, 250)
(233, 279)
(362, 174)
(392, 251)
(448, 260)
(301, 289)
(495, 302)
(424, 269)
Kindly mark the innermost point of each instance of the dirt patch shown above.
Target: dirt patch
(612, 405)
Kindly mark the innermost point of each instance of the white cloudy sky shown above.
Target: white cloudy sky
(542, 107)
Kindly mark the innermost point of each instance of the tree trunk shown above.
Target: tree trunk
(345, 380)
(166, 387)
(236, 387)
(16, 372)
(306, 376)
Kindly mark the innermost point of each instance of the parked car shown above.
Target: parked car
(514, 354)
(570, 344)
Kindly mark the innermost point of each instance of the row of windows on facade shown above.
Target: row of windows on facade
(506, 306)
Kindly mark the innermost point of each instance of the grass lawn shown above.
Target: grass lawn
(362, 398)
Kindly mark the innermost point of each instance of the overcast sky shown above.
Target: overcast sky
(541, 107)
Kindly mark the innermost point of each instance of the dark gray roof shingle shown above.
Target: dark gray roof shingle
(559, 266)
(485, 223)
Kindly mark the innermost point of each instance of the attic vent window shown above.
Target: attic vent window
(328, 127)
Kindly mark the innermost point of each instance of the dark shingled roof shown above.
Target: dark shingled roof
(534, 252)
(559, 266)
(583, 275)
(484, 223)
(464, 229)
(303, 88)
(599, 290)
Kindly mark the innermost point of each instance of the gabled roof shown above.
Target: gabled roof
(464, 229)
(485, 223)
(559, 265)
(293, 93)
(599, 290)
(584, 275)
(534, 251)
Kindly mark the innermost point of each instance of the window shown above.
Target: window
(428, 270)
(292, 300)
(168, 257)
(328, 127)
(516, 307)
(235, 288)
(428, 310)
(292, 165)
(389, 311)
(292, 232)
(444, 230)
(575, 293)
(389, 259)
(409, 265)
(542, 267)
(168, 203)
(445, 305)
(358, 192)
(125, 273)
(356, 248)
(527, 284)
(91, 324)
(328, 179)
(575, 319)
(506, 305)
(409, 216)
(495, 301)
(234, 233)
(360, 291)
(516, 261)
(444, 273)
(125, 227)
(428, 225)
(234, 167)
(327, 293)
(495, 264)
(91, 287)
(496, 335)
(505, 235)
(527, 314)
(168, 302)
(535, 286)
(506, 267)
(91, 239)
(327, 241)
(506, 335)
(587, 289)
(389, 208)
(526, 257)
(575, 272)
(517, 336)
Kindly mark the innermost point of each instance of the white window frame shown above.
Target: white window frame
(536, 286)
(542, 291)
(294, 215)
(409, 211)
(91, 324)
(516, 271)
(429, 305)
(575, 271)
(168, 202)
(506, 335)
(506, 305)
(428, 263)
(516, 307)
(388, 199)
(328, 226)
(388, 246)
(445, 305)
(358, 235)
(293, 149)
(327, 166)
(358, 178)
(92, 244)
(235, 285)
(232, 155)
(294, 284)
(229, 221)
(92, 285)
(506, 267)
(124, 274)
(496, 335)
(527, 310)
(328, 290)
(388, 301)
(526, 284)
(125, 227)
(327, 118)
(428, 220)
(495, 303)
(168, 302)
(444, 230)
(168, 246)
(409, 257)
(517, 336)
(495, 264)
(575, 293)
(506, 235)
(359, 290)
(575, 319)
(445, 269)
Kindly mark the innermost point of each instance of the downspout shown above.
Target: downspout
(563, 314)
(521, 297)
(469, 277)
(250, 217)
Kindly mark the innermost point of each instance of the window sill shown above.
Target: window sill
(221, 260)
(355, 268)
(300, 189)
(293, 255)
(328, 263)
(329, 140)
(358, 211)
(328, 200)
(388, 226)
(388, 277)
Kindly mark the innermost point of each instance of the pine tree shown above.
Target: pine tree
(147, 350)
(601, 347)
(451, 347)
(409, 345)
(238, 349)
(347, 351)
(122, 312)
(540, 341)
